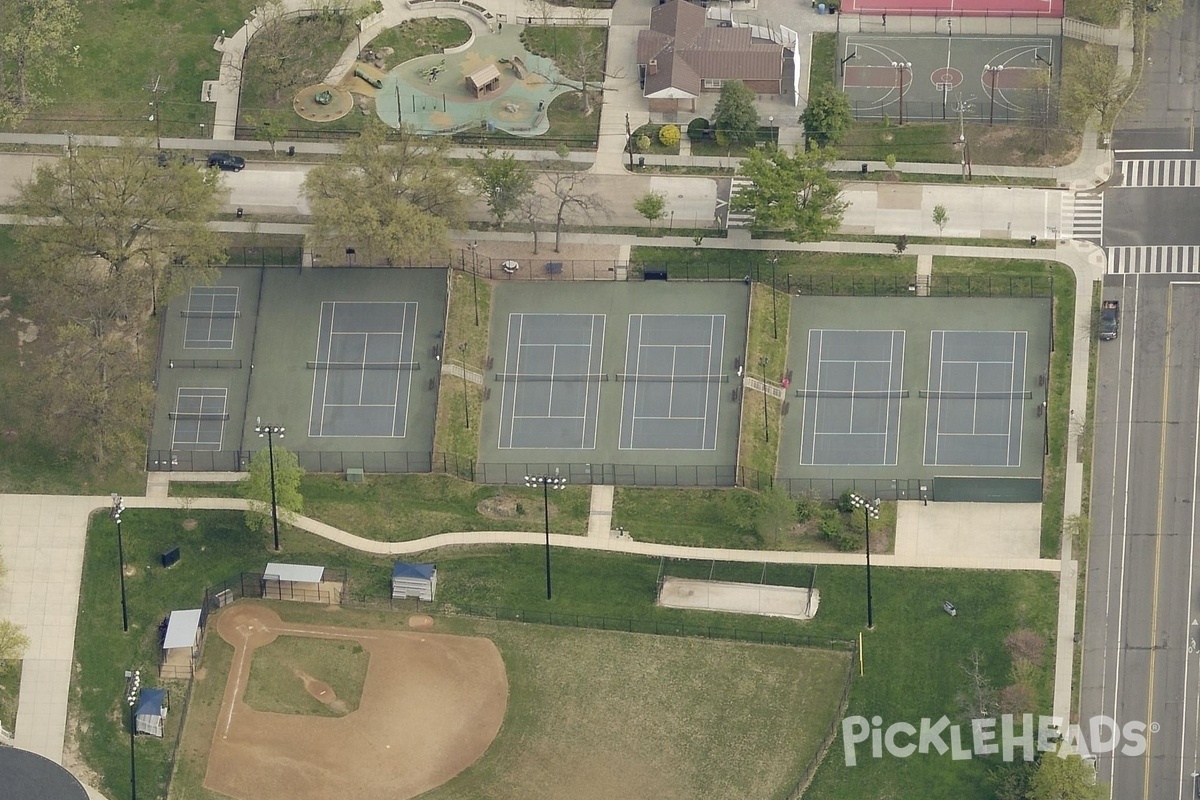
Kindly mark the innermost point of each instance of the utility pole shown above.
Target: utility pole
(156, 112)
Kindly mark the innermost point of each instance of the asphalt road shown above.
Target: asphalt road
(1151, 216)
(1139, 659)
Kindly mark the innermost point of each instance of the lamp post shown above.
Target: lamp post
(992, 70)
(546, 482)
(70, 164)
(870, 511)
(270, 431)
(901, 67)
(774, 300)
(762, 366)
(462, 349)
(131, 698)
(474, 247)
(117, 509)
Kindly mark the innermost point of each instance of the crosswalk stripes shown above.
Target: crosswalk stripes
(1163, 172)
(735, 220)
(1083, 217)
(1154, 259)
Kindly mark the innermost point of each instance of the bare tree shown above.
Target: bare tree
(978, 698)
(568, 195)
(580, 60)
(532, 208)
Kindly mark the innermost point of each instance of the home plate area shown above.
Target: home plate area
(431, 704)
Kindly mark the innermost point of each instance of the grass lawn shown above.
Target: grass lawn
(824, 61)
(759, 439)
(1060, 369)
(397, 508)
(650, 130)
(28, 463)
(452, 434)
(913, 659)
(281, 672)
(123, 48)
(563, 43)
(10, 690)
(811, 273)
(414, 38)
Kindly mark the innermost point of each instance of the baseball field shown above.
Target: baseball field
(454, 707)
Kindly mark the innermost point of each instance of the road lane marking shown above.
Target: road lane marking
(1158, 523)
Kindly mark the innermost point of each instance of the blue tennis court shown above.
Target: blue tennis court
(672, 381)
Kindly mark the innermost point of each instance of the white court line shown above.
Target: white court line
(977, 436)
(411, 343)
(969, 361)
(714, 389)
(1021, 416)
(549, 416)
(674, 419)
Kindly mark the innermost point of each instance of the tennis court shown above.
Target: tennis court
(977, 398)
(1016, 8)
(852, 393)
(198, 420)
(926, 77)
(210, 317)
(551, 380)
(362, 371)
(671, 388)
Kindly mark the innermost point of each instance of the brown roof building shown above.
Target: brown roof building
(680, 57)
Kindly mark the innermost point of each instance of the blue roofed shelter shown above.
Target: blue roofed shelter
(151, 712)
(414, 580)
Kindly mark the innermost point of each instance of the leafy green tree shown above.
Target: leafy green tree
(1092, 84)
(35, 39)
(735, 117)
(256, 487)
(775, 515)
(791, 193)
(1069, 778)
(503, 181)
(1012, 781)
(391, 192)
(940, 217)
(652, 206)
(270, 126)
(827, 116)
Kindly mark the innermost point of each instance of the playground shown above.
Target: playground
(495, 84)
(993, 78)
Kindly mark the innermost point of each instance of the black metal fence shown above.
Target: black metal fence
(256, 585)
(882, 488)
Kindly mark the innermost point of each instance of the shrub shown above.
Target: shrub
(643, 143)
(807, 508)
(696, 128)
(844, 503)
(834, 531)
(669, 135)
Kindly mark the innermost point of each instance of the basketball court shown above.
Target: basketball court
(930, 77)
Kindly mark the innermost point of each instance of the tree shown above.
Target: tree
(1092, 83)
(567, 195)
(791, 194)
(256, 487)
(13, 640)
(652, 206)
(532, 209)
(35, 38)
(735, 118)
(270, 126)
(1013, 780)
(580, 53)
(503, 181)
(118, 234)
(978, 699)
(940, 217)
(827, 116)
(1065, 778)
(776, 513)
(391, 192)
(284, 46)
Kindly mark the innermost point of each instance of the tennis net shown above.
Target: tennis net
(521, 377)
(197, 415)
(187, 313)
(394, 366)
(642, 377)
(884, 394)
(976, 395)
(204, 363)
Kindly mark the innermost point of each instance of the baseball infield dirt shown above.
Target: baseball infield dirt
(431, 705)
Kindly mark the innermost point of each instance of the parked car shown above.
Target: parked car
(226, 162)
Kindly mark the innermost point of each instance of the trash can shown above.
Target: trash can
(291, 150)
(820, 8)
(863, 168)
(641, 161)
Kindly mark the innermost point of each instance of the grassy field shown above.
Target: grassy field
(452, 434)
(397, 508)
(280, 671)
(990, 276)
(414, 38)
(812, 273)
(910, 626)
(10, 690)
(758, 442)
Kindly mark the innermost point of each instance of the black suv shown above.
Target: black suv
(226, 162)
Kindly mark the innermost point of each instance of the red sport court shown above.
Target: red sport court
(955, 8)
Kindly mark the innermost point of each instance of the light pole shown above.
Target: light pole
(774, 301)
(762, 366)
(131, 698)
(117, 509)
(474, 247)
(270, 431)
(547, 481)
(901, 67)
(462, 349)
(70, 164)
(870, 511)
(992, 70)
